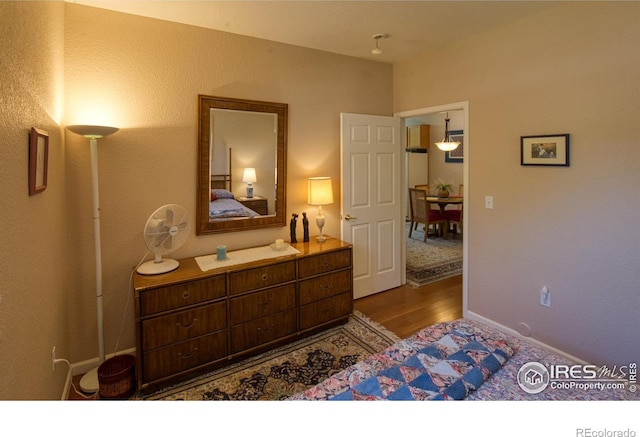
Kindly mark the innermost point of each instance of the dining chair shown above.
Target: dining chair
(426, 188)
(454, 215)
(421, 212)
(421, 187)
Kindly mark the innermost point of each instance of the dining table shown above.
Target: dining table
(444, 201)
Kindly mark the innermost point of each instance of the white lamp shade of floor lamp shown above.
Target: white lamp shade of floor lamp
(89, 383)
(320, 193)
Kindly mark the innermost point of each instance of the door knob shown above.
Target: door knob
(348, 217)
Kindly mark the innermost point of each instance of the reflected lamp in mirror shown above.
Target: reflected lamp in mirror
(249, 176)
(320, 193)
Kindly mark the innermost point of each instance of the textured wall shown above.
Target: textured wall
(34, 269)
(569, 70)
(144, 75)
(67, 64)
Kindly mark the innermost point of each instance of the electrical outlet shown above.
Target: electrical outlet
(545, 297)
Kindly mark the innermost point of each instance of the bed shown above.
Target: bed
(459, 360)
(223, 205)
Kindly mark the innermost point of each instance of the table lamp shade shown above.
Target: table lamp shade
(249, 175)
(320, 191)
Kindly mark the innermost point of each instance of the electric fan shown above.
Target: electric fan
(166, 229)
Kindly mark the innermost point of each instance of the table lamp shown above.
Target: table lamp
(249, 176)
(320, 193)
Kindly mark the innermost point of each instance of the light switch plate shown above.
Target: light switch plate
(488, 202)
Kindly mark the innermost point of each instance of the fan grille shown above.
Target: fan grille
(165, 231)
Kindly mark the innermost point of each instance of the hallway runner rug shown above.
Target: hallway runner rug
(290, 369)
(431, 261)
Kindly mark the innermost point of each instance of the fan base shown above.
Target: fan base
(156, 268)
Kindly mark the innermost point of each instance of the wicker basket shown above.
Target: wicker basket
(117, 378)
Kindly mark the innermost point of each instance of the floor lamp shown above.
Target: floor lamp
(89, 382)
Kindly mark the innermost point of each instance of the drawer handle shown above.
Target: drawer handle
(185, 294)
(268, 328)
(182, 325)
(264, 276)
(188, 355)
(326, 286)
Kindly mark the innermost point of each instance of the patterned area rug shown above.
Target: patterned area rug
(283, 372)
(431, 261)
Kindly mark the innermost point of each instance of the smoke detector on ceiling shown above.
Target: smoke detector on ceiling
(378, 36)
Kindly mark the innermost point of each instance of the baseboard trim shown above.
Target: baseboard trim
(477, 317)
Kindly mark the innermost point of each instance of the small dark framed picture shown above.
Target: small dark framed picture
(457, 154)
(38, 160)
(545, 150)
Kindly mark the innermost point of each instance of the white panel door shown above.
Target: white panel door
(371, 202)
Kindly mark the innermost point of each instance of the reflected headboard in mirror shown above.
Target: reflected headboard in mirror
(234, 134)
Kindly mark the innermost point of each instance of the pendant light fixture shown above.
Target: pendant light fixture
(446, 144)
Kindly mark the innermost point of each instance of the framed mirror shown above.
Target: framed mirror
(242, 156)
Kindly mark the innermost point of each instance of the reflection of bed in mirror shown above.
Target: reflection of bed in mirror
(224, 206)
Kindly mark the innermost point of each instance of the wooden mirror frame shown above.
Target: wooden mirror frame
(206, 226)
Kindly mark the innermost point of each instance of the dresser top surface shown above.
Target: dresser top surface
(189, 270)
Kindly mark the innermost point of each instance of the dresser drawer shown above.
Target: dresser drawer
(262, 303)
(260, 277)
(325, 310)
(166, 361)
(315, 265)
(324, 286)
(175, 296)
(262, 331)
(176, 327)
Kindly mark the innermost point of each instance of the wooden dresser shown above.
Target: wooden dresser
(189, 321)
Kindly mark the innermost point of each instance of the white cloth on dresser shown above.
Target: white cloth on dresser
(209, 262)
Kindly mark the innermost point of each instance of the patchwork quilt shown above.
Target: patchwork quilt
(447, 361)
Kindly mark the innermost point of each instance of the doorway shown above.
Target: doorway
(438, 113)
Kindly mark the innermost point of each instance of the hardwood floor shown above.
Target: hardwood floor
(403, 310)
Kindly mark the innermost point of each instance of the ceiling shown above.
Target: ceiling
(343, 27)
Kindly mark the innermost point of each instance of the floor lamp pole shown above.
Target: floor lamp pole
(89, 382)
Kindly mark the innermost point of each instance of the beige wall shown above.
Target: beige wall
(145, 76)
(572, 69)
(142, 76)
(34, 263)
